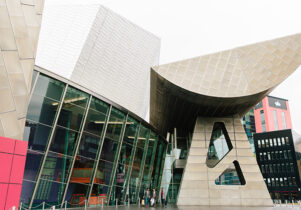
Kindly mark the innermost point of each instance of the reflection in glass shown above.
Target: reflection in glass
(64, 141)
(56, 168)
(49, 192)
(126, 153)
(143, 136)
(77, 194)
(95, 122)
(231, 176)
(37, 135)
(104, 171)
(220, 144)
(49, 87)
(109, 150)
(116, 195)
(27, 190)
(76, 97)
(130, 131)
(82, 170)
(71, 116)
(32, 165)
(42, 110)
(99, 106)
(115, 125)
(88, 145)
(98, 195)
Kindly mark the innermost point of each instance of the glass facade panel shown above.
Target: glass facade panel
(32, 165)
(42, 110)
(104, 172)
(71, 116)
(135, 158)
(98, 195)
(95, 122)
(56, 168)
(49, 192)
(283, 120)
(37, 135)
(49, 87)
(76, 194)
(262, 120)
(88, 145)
(219, 146)
(82, 170)
(275, 120)
(64, 141)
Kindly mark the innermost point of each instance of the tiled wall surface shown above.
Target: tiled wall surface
(19, 28)
(12, 160)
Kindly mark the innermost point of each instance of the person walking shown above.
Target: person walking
(162, 197)
(147, 197)
(154, 197)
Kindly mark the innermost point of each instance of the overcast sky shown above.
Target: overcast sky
(197, 27)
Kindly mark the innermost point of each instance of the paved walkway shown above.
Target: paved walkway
(196, 208)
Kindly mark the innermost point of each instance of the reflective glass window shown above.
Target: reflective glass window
(56, 168)
(77, 194)
(34, 76)
(37, 135)
(89, 145)
(126, 153)
(49, 87)
(220, 144)
(109, 150)
(49, 192)
(64, 141)
(103, 174)
(130, 131)
(143, 136)
(121, 173)
(115, 124)
(98, 195)
(275, 119)
(116, 195)
(95, 122)
(77, 97)
(26, 192)
(32, 165)
(42, 110)
(71, 116)
(82, 170)
(283, 120)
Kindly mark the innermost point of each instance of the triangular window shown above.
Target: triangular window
(220, 144)
(231, 176)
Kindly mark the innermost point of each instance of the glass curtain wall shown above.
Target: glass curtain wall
(83, 151)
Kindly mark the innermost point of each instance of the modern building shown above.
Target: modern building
(272, 114)
(86, 121)
(278, 155)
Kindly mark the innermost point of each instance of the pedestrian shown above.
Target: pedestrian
(162, 197)
(154, 196)
(147, 197)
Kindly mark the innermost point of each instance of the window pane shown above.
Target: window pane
(109, 150)
(104, 172)
(42, 110)
(49, 192)
(143, 135)
(76, 97)
(77, 194)
(98, 195)
(115, 125)
(26, 192)
(89, 145)
(64, 141)
(116, 194)
(95, 122)
(130, 131)
(120, 176)
(37, 135)
(49, 87)
(126, 153)
(32, 165)
(82, 170)
(56, 168)
(99, 106)
(71, 116)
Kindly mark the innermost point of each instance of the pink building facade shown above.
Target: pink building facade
(12, 160)
(272, 114)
